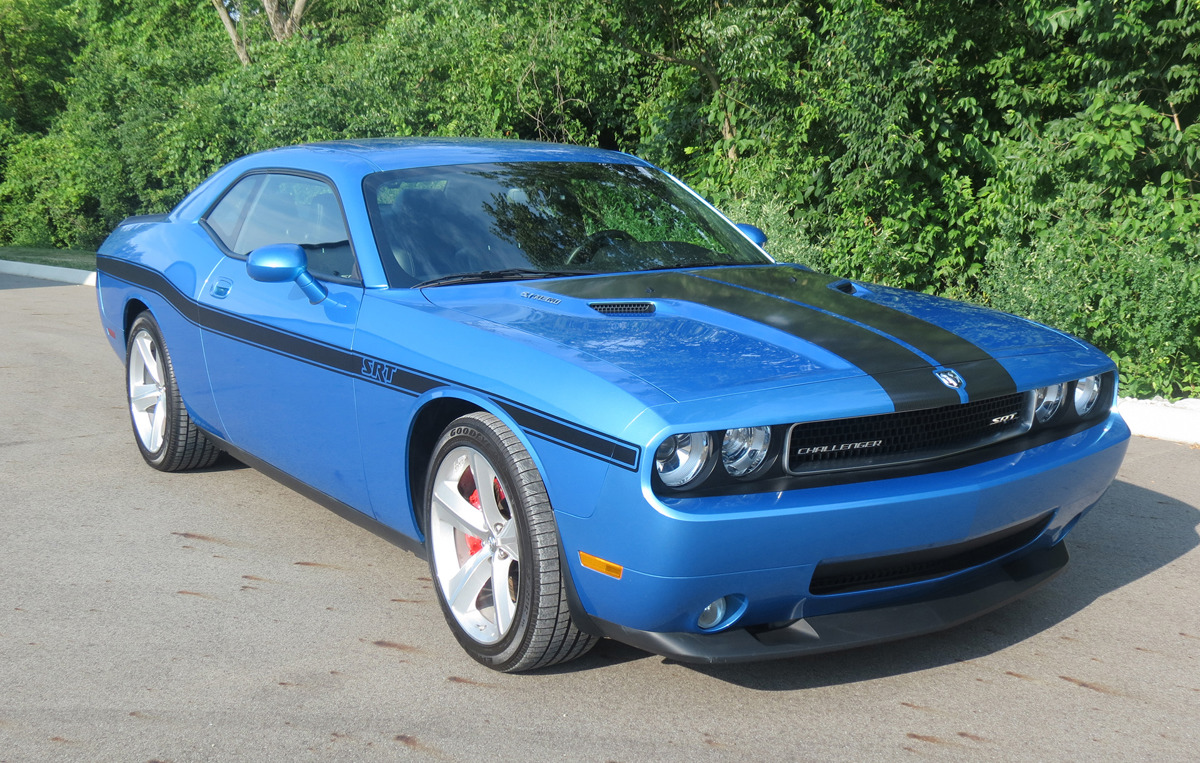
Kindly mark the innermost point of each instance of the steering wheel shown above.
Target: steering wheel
(595, 242)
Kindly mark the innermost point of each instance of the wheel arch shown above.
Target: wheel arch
(133, 308)
(427, 426)
(433, 415)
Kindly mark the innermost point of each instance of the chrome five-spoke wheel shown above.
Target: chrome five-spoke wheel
(494, 551)
(165, 433)
(147, 391)
(476, 546)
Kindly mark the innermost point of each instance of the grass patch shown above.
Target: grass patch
(62, 258)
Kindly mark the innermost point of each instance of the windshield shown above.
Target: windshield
(525, 220)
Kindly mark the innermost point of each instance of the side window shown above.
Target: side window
(286, 209)
(227, 217)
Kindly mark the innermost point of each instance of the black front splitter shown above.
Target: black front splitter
(977, 594)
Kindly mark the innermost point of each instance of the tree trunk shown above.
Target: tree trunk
(239, 45)
(284, 25)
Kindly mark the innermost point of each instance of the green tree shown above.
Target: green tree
(1039, 155)
(35, 35)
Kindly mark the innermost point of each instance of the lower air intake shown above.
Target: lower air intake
(926, 564)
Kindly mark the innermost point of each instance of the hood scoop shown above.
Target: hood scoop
(623, 308)
(849, 287)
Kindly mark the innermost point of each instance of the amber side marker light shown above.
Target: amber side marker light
(600, 565)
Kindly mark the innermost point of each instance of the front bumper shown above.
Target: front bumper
(770, 554)
(973, 596)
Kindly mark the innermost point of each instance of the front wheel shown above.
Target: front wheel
(493, 550)
(164, 431)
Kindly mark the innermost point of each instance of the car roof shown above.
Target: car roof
(346, 162)
(405, 153)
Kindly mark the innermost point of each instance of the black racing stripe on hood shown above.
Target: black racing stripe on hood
(907, 378)
(983, 374)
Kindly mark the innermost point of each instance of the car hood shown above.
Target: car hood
(710, 332)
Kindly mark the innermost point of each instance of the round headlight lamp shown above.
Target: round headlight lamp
(1087, 392)
(682, 457)
(1048, 401)
(744, 450)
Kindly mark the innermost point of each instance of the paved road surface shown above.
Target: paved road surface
(219, 616)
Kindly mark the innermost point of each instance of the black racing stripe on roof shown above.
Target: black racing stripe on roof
(985, 377)
(905, 376)
(356, 365)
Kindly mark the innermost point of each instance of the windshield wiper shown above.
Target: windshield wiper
(698, 264)
(507, 274)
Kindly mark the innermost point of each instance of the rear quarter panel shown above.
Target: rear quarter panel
(162, 266)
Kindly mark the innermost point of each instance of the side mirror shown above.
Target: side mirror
(754, 233)
(280, 263)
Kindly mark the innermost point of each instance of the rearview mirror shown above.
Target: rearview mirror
(280, 263)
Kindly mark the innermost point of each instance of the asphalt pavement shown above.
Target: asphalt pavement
(217, 615)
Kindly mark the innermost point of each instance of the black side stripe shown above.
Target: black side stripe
(611, 450)
(357, 365)
(984, 375)
(150, 280)
(905, 376)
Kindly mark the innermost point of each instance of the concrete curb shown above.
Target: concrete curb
(1157, 418)
(48, 272)
(1163, 420)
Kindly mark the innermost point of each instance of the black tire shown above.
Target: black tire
(529, 625)
(171, 443)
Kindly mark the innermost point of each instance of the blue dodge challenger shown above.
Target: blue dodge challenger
(600, 409)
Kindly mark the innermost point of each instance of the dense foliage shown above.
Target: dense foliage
(1039, 156)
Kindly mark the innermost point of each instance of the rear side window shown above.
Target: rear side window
(265, 208)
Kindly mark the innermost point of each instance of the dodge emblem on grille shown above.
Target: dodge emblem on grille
(951, 378)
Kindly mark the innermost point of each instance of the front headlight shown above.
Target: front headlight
(682, 458)
(744, 450)
(1048, 400)
(1087, 392)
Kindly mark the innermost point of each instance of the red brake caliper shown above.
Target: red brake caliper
(473, 544)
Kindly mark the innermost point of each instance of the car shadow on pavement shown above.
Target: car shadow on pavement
(1132, 533)
(225, 463)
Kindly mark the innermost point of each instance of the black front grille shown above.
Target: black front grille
(899, 438)
(916, 566)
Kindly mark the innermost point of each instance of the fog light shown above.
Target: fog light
(713, 614)
(1087, 392)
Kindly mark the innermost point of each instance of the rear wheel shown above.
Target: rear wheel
(494, 552)
(164, 431)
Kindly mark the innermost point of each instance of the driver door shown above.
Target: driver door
(276, 362)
